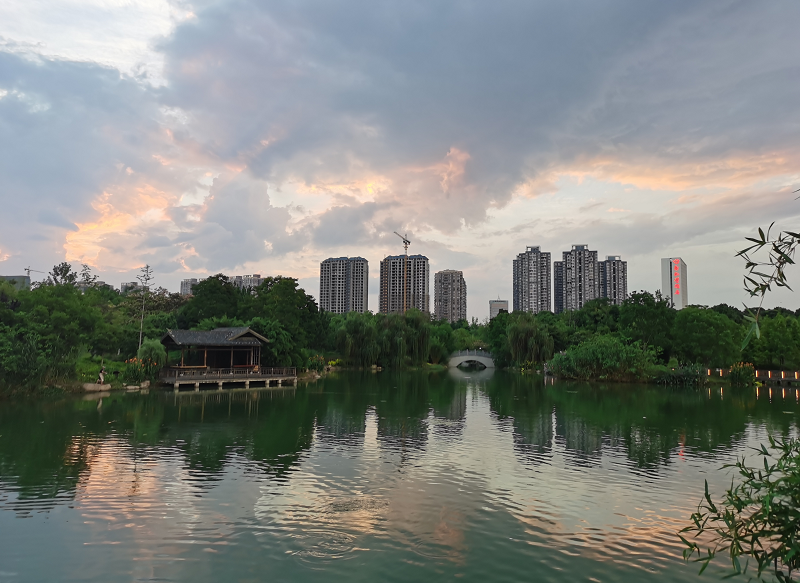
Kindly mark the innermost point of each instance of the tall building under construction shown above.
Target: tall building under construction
(405, 284)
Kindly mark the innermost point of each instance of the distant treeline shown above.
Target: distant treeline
(47, 332)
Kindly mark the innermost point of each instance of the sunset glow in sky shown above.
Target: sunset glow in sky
(243, 137)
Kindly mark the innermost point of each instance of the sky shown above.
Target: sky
(243, 137)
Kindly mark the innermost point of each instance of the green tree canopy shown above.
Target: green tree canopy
(648, 318)
(213, 297)
(705, 336)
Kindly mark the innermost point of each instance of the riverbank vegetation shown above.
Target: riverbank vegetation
(64, 329)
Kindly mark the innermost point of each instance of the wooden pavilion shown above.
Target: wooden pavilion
(219, 356)
(214, 349)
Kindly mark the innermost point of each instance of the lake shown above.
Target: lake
(360, 476)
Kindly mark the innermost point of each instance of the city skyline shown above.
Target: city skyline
(608, 280)
(122, 145)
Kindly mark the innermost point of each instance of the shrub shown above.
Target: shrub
(316, 363)
(685, 374)
(603, 357)
(742, 374)
(152, 350)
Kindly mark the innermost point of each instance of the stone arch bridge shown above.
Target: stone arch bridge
(471, 356)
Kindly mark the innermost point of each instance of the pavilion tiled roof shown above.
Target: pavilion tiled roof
(239, 336)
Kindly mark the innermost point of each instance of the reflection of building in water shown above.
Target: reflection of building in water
(533, 434)
(582, 441)
(450, 416)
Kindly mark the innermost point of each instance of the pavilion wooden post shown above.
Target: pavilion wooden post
(231, 356)
(182, 356)
(205, 357)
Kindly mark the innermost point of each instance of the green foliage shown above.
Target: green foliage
(437, 352)
(214, 297)
(316, 363)
(761, 276)
(138, 370)
(282, 300)
(604, 358)
(742, 374)
(777, 345)
(705, 337)
(648, 318)
(281, 350)
(62, 274)
(154, 352)
(218, 322)
(686, 374)
(528, 342)
(759, 518)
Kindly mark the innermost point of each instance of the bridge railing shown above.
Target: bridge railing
(484, 353)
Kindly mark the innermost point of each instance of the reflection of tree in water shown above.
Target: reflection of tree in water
(342, 402)
(515, 398)
(448, 399)
(649, 423)
(46, 448)
(582, 442)
(402, 411)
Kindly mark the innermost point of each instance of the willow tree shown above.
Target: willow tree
(528, 341)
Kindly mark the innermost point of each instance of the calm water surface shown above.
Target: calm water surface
(371, 477)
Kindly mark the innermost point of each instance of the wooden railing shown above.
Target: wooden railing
(761, 375)
(244, 373)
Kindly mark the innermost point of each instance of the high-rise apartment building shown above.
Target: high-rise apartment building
(344, 285)
(674, 284)
(614, 279)
(450, 296)
(576, 278)
(532, 281)
(405, 284)
(128, 286)
(247, 281)
(187, 285)
(495, 306)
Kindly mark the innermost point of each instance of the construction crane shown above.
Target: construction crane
(406, 243)
(28, 271)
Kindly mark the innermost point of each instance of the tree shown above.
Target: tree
(761, 276)
(778, 344)
(145, 277)
(86, 275)
(528, 341)
(62, 274)
(648, 318)
(704, 336)
(281, 299)
(282, 350)
(213, 297)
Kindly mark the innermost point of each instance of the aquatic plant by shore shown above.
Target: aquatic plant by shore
(757, 519)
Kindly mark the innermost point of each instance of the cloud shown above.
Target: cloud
(242, 135)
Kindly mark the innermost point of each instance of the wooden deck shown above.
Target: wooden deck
(248, 376)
